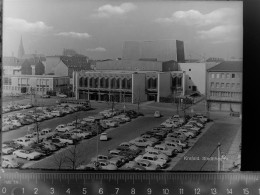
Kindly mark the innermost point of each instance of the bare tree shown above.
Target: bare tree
(59, 160)
(76, 119)
(74, 157)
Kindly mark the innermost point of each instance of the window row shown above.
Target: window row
(19, 88)
(152, 83)
(224, 75)
(106, 83)
(224, 94)
(224, 85)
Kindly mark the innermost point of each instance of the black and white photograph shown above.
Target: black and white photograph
(112, 85)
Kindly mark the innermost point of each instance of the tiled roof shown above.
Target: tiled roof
(76, 62)
(228, 66)
(12, 61)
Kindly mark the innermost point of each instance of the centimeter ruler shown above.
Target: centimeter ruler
(132, 183)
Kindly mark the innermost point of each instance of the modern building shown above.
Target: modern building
(129, 80)
(161, 50)
(38, 84)
(195, 77)
(224, 86)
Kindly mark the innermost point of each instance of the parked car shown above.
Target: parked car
(103, 137)
(106, 165)
(62, 95)
(7, 150)
(24, 141)
(157, 114)
(9, 162)
(63, 128)
(27, 154)
(172, 145)
(149, 166)
(45, 96)
(163, 149)
(141, 142)
(153, 159)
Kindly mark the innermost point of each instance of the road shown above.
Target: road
(88, 148)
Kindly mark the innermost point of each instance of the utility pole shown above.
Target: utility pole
(219, 157)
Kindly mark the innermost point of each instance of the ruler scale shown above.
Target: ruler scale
(123, 183)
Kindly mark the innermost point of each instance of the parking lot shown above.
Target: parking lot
(220, 130)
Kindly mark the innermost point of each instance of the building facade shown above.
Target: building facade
(38, 84)
(195, 77)
(161, 50)
(224, 87)
(129, 80)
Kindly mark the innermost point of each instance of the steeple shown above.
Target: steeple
(21, 49)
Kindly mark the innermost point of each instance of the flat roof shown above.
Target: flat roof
(38, 76)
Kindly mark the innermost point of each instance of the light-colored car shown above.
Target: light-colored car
(124, 117)
(9, 162)
(56, 113)
(62, 95)
(7, 150)
(16, 123)
(63, 128)
(80, 133)
(157, 114)
(153, 159)
(110, 123)
(90, 119)
(141, 142)
(27, 154)
(148, 165)
(187, 133)
(106, 165)
(24, 141)
(172, 145)
(169, 124)
(163, 149)
(192, 127)
(159, 154)
(178, 141)
(64, 140)
(103, 137)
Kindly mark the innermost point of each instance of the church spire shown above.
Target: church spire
(21, 49)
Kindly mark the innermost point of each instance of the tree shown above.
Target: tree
(76, 117)
(59, 160)
(73, 157)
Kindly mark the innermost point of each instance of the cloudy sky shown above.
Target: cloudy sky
(99, 28)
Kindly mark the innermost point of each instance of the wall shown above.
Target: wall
(51, 63)
(61, 69)
(138, 87)
(196, 75)
(129, 65)
(164, 84)
(233, 92)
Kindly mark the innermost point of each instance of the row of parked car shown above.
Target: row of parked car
(34, 146)
(153, 149)
(15, 107)
(16, 120)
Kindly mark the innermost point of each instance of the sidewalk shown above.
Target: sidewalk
(233, 153)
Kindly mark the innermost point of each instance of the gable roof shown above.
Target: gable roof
(228, 66)
(76, 62)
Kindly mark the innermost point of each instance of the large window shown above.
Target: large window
(212, 84)
(212, 75)
(86, 82)
(222, 75)
(81, 82)
(227, 85)
(217, 75)
(222, 85)
(129, 83)
(233, 75)
(124, 82)
(217, 85)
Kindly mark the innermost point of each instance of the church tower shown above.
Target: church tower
(21, 49)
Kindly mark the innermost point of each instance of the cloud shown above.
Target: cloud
(22, 25)
(109, 10)
(74, 35)
(221, 34)
(98, 49)
(195, 17)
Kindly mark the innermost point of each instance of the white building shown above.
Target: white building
(195, 80)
